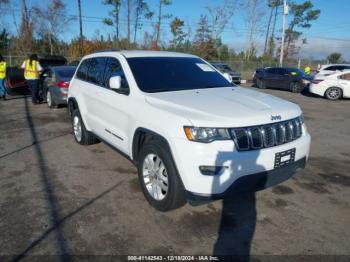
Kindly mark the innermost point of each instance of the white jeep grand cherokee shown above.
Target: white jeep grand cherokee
(192, 134)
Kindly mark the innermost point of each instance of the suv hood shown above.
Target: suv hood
(224, 107)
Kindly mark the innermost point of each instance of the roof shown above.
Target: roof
(334, 65)
(63, 67)
(142, 53)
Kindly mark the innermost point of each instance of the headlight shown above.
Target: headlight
(305, 82)
(206, 135)
(301, 119)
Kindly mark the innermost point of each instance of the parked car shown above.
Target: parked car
(74, 63)
(332, 87)
(288, 78)
(15, 83)
(226, 69)
(56, 83)
(192, 134)
(327, 70)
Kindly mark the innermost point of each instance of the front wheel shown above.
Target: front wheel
(158, 177)
(333, 93)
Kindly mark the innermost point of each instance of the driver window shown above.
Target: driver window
(114, 68)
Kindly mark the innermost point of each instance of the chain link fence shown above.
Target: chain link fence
(246, 68)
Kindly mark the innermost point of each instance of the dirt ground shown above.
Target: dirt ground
(60, 198)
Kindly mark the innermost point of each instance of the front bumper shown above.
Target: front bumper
(254, 182)
(189, 156)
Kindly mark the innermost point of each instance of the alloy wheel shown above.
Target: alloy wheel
(49, 99)
(334, 93)
(155, 177)
(77, 128)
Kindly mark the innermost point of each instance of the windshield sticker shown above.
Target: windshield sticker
(205, 67)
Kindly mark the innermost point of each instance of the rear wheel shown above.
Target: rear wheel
(49, 100)
(158, 177)
(81, 135)
(295, 87)
(261, 84)
(333, 93)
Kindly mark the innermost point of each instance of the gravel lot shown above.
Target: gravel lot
(57, 197)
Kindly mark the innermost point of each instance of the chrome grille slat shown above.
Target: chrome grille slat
(264, 136)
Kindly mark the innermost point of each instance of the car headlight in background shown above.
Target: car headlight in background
(301, 119)
(206, 135)
(305, 82)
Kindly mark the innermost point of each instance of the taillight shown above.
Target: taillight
(317, 81)
(62, 84)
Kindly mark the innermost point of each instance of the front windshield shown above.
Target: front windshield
(225, 68)
(164, 74)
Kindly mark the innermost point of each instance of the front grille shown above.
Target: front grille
(265, 136)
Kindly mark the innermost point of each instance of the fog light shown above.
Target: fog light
(211, 170)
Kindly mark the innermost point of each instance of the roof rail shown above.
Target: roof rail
(108, 50)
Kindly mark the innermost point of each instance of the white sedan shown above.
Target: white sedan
(332, 87)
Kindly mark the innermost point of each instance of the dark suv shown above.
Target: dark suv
(288, 78)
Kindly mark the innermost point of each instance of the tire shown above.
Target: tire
(261, 84)
(81, 135)
(162, 188)
(50, 101)
(333, 93)
(296, 87)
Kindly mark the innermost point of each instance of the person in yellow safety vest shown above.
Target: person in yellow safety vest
(2, 77)
(32, 70)
(307, 70)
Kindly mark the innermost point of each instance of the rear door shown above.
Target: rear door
(344, 82)
(284, 78)
(91, 90)
(271, 77)
(113, 108)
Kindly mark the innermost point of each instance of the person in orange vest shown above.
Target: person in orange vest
(2, 77)
(32, 69)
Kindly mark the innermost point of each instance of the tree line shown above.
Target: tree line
(42, 26)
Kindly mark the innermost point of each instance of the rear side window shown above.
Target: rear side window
(334, 68)
(82, 71)
(272, 70)
(345, 77)
(96, 70)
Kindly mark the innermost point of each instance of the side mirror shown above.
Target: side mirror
(228, 77)
(115, 83)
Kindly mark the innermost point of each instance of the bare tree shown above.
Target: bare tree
(271, 43)
(254, 12)
(81, 40)
(53, 22)
(161, 16)
(142, 9)
(220, 16)
(114, 21)
(24, 41)
(128, 11)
